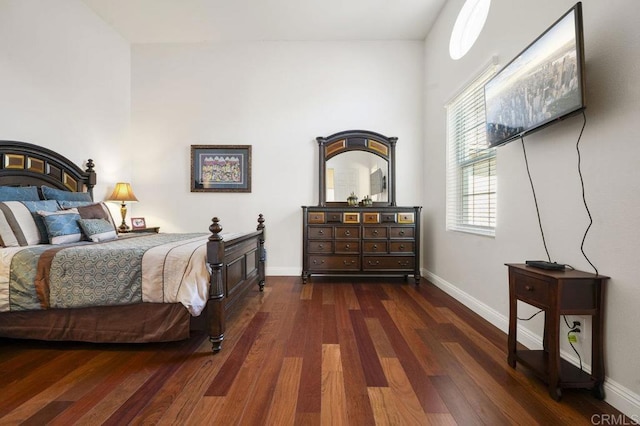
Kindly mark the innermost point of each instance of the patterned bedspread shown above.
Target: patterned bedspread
(158, 268)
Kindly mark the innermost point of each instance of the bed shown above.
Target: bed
(55, 285)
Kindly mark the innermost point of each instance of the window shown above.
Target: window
(471, 165)
(468, 26)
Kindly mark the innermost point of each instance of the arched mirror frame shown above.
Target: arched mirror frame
(357, 140)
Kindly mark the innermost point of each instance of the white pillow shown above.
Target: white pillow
(17, 225)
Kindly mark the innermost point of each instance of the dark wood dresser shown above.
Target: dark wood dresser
(361, 241)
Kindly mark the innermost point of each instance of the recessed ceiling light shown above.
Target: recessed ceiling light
(468, 25)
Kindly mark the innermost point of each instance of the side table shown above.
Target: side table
(565, 292)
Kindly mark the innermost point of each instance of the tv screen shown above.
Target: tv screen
(375, 181)
(543, 84)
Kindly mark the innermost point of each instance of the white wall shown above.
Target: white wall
(277, 97)
(472, 267)
(65, 83)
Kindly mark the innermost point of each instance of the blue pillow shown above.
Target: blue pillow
(98, 230)
(62, 226)
(19, 193)
(43, 205)
(58, 194)
(68, 204)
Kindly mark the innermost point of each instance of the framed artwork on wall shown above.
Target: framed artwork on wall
(220, 168)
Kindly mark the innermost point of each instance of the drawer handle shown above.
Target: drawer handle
(375, 247)
(346, 262)
(375, 232)
(528, 288)
(348, 246)
(401, 232)
(401, 247)
(320, 246)
(347, 232)
(321, 232)
(405, 263)
(315, 262)
(377, 262)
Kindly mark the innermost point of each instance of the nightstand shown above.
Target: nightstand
(557, 293)
(151, 230)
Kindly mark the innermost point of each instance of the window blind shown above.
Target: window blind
(471, 165)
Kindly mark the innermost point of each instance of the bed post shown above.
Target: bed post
(91, 177)
(215, 305)
(263, 254)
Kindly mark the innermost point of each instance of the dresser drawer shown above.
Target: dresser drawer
(401, 247)
(334, 263)
(376, 232)
(406, 218)
(347, 247)
(360, 240)
(315, 217)
(375, 246)
(402, 232)
(320, 232)
(348, 232)
(533, 291)
(370, 217)
(320, 247)
(334, 217)
(388, 218)
(389, 263)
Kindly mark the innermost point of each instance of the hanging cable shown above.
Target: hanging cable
(535, 199)
(584, 198)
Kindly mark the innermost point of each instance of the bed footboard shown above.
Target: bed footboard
(237, 265)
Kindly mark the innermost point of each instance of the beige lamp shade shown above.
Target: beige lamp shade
(122, 192)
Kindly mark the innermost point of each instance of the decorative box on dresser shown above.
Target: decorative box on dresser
(361, 241)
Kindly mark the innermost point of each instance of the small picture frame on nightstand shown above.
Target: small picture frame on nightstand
(138, 223)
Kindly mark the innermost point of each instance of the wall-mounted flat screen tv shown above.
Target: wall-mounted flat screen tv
(543, 84)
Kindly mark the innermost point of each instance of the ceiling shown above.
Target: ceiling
(192, 21)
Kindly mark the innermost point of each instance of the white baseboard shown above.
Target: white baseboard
(620, 397)
(283, 272)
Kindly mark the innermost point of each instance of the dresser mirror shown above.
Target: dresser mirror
(358, 172)
(359, 162)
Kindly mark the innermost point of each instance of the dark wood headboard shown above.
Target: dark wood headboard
(25, 164)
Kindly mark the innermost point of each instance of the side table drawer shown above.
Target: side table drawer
(532, 290)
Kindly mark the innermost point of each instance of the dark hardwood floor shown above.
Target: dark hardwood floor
(341, 352)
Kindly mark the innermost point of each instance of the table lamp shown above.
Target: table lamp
(123, 193)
